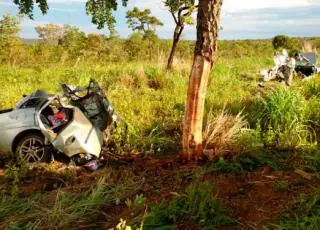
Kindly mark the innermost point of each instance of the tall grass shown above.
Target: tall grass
(281, 117)
(152, 100)
(66, 208)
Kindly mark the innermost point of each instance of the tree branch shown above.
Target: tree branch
(174, 17)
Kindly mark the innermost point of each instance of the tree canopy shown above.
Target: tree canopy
(285, 42)
(50, 33)
(100, 10)
(9, 26)
(181, 10)
(142, 20)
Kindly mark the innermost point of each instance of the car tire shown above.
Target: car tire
(31, 149)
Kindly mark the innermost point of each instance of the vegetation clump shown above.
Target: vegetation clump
(197, 205)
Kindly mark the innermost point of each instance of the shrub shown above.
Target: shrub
(285, 42)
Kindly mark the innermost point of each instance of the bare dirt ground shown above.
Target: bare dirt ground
(251, 198)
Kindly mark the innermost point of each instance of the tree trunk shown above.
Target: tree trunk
(176, 38)
(205, 54)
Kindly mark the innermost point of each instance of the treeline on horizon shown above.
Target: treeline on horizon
(69, 45)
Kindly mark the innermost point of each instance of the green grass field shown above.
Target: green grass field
(278, 133)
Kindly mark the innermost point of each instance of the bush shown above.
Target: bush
(285, 42)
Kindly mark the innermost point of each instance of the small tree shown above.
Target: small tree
(9, 26)
(181, 11)
(50, 33)
(73, 40)
(9, 29)
(95, 44)
(142, 21)
(285, 42)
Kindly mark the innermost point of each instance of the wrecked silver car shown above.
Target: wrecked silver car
(71, 123)
(303, 64)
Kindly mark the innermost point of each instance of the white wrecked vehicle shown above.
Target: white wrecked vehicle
(42, 124)
(304, 65)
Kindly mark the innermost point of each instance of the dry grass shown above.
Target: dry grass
(220, 132)
(307, 46)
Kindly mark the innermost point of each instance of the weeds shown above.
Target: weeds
(197, 204)
(138, 201)
(221, 166)
(245, 162)
(14, 173)
(305, 215)
(281, 185)
(312, 157)
(67, 208)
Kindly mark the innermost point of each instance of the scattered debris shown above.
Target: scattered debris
(93, 165)
(304, 64)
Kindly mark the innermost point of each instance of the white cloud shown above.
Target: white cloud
(230, 5)
(235, 5)
(65, 1)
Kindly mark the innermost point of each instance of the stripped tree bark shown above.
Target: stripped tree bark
(205, 54)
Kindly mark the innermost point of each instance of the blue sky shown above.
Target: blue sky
(240, 19)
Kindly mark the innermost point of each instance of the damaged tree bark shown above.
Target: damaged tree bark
(208, 25)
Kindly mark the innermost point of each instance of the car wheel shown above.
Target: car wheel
(31, 148)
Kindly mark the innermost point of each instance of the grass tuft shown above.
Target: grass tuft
(197, 205)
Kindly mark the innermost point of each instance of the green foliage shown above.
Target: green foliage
(245, 162)
(73, 41)
(101, 11)
(312, 89)
(197, 204)
(9, 26)
(14, 174)
(257, 159)
(281, 117)
(67, 207)
(285, 42)
(305, 215)
(312, 157)
(181, 10)
(138, 201)
(142, 21)
(10, 46)
(26, 6)
(281, 185)
(221, 166)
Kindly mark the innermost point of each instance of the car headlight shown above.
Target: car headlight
(70, 140)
